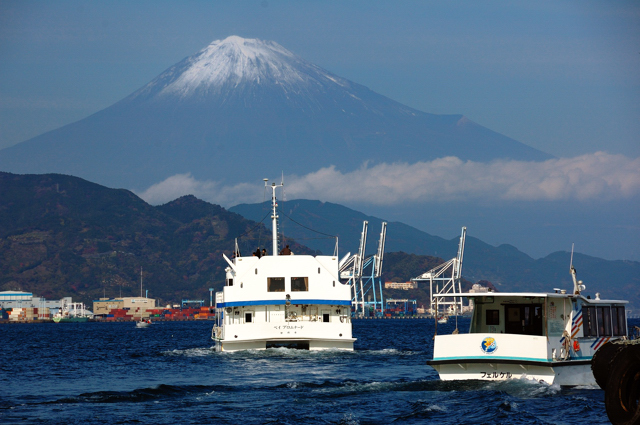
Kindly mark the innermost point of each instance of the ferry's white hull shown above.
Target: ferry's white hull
(565, 374)
(263, 344)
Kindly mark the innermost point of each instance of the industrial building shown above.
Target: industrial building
(401, 285)
(103, 306)
(19, 299)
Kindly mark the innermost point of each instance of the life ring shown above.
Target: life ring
(576, 345)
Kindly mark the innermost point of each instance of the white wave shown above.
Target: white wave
(587, 387)
(389, 352)
(191, 352)
(349, 419)
(524, 387)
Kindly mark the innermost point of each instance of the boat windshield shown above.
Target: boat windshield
(490, 315)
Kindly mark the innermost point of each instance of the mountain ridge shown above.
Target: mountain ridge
(248, 129)
(64, 236)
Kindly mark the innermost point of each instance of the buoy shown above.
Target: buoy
(576, 345)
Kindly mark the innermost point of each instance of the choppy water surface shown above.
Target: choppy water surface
(85, 373)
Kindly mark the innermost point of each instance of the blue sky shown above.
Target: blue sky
(559, 76)
(562, 77)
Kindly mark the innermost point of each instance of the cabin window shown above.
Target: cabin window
(229, 282)
(248, 317)
(476, 325)
(604, 321)
(589, 321)
(275, 284)
(325, 317)
(524, 319)
(299, 284)
(493, 317)
(618, 321)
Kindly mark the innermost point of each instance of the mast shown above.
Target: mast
(577, 284)
(140, 282)
(274, 215)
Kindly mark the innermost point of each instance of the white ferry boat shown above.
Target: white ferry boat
(294, 301)
(548, 337)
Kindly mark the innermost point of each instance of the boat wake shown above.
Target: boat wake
(190, 352)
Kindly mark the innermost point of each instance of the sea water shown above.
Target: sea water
(115, 373)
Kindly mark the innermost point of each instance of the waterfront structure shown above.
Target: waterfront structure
(444, 283)
(103, 306)
(401, 285)
(21, 299)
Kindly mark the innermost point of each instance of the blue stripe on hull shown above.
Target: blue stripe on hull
(282, 302)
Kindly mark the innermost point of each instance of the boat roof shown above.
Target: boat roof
(536, 295)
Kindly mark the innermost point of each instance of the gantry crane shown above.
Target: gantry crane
(446, 286)
(352, 269)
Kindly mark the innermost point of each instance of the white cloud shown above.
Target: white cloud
(587, 177)
(184, 184)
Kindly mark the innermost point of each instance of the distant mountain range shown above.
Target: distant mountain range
(505, 266)
(64, 236)
(241, 109)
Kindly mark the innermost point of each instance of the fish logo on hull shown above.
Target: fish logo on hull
(489, 345)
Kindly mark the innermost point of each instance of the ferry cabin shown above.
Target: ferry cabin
(548, 337)
(294, 301)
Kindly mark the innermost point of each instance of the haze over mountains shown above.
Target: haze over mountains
(241, 109)
(61, 235)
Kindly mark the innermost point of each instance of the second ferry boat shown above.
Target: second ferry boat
(547, 337)
(282, 300)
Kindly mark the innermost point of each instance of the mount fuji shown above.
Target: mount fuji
(241, 109)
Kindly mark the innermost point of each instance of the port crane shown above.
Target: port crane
(444, 282)
(352, 269)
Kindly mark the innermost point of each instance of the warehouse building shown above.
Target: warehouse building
(20, 299)
(103, 306)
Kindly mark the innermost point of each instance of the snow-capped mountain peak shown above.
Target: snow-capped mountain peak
(237, 60)
(241, 109)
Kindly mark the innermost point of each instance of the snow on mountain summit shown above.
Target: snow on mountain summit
(234, 61)
(241, 109)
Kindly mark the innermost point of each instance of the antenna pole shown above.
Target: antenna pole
(576, 285)
(274, 216)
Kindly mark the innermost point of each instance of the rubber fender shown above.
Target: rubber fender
(622, 395)
(603, 361)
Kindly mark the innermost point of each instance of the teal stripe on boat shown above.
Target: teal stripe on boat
(528, 359)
